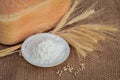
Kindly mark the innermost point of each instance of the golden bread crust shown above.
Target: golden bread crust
(8, 7)
(39, 19)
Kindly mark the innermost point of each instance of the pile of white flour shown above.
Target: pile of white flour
(48, 51)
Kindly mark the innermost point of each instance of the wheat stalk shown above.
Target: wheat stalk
(9, 51)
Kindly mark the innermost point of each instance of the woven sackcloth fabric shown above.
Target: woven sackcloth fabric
(99, 65)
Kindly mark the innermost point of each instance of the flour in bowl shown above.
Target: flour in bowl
(48, 51)
(45, 50)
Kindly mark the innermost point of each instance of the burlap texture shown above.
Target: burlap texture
(103, 65)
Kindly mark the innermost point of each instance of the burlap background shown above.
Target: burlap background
(103, 65)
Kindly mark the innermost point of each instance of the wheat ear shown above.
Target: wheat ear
(85, 14)
(84, 39)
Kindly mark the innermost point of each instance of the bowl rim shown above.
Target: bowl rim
(26, 42)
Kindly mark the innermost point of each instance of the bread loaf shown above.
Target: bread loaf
(22, 18)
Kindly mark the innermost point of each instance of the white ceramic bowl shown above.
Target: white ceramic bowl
(30, 44)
